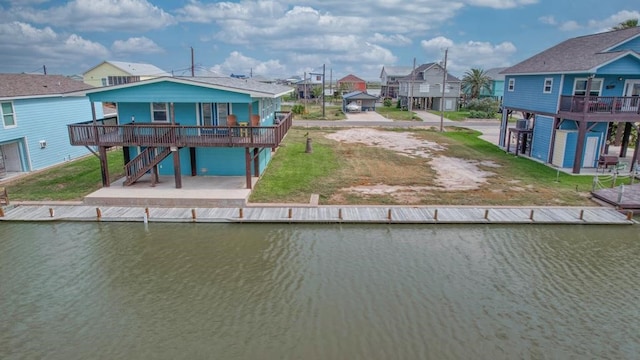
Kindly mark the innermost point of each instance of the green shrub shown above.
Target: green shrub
(387, 102)
(298, 109)
(482, 108)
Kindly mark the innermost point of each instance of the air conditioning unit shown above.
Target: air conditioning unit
(522, 124)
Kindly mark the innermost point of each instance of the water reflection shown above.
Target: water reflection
(75, 290)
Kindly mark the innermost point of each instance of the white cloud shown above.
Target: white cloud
(569, 26)
(236, 63)
(471, 54)
(395, 39)
(23, 46)
(501, 4)
(136, 45)
(613, 20)
(549, 20)
(100, 15)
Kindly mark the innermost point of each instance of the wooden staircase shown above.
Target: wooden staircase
(144, 162)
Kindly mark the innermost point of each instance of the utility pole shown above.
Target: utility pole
(331, 83)
(44, 69)
(193, 68)
(304, 91)
(444, 83)
(323, 103)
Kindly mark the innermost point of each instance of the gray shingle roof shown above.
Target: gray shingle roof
(25, 85)
(419, 73)
(241, 84)
(580, 54)
(494, 73)
(139, 69)
(359, 95)
(397, 70)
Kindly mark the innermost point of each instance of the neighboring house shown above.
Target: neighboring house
(305, 87)
(351, 83)
(195, 126)
(572, 94)
(365, 102)
(422, 88)
(35, 111)
(109, 73)
(497, 84)
(389, 80)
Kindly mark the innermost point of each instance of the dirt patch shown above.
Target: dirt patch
(452, 174)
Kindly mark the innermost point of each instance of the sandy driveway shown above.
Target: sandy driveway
(453, 174)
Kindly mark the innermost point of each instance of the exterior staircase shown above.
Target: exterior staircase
(144, 162)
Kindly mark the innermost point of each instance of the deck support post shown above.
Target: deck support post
(582, 132)
(176, 167)
(634, 159)
(247, 163)
(625, 139)
(104, 166)
(256, 162)
(192, 157)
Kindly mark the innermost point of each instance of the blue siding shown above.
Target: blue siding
(46, 119)
(626, 65)
(570, 149)
(633, 44)
(169, 92)
(213, 162)
(611, 86)
(541, 138)
(528, 93)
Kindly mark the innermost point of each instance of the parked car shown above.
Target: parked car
(353, 107)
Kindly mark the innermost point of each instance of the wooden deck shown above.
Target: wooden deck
(625, 197)
(321, 214)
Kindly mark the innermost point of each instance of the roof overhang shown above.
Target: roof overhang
(251, 93)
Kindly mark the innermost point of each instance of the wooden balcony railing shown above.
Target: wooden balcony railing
(621, 105)
(105, 132)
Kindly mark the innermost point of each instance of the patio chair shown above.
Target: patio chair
(4, 196)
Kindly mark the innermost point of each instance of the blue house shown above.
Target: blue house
(497, 84)
(572, 95)
(35, 111)
(195, 126)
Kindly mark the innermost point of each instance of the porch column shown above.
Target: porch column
(582, 132)
(176, 167)
(625, 139)
(104, 166)
(552, 145)
(634, 159)
(247, 163)
(192, 157)
(256, 161)
(503, 127)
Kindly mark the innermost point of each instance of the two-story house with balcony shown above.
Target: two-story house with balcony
(422, 88)
(572, 94)
(389, 76)
(194, 126)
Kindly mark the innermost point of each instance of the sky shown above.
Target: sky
(280, 39)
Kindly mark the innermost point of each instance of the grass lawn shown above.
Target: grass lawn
(394, 113)
(314, 112)
(69, 181)
(294, 175)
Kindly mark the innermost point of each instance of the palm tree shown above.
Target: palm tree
(474, 81)
(626, 24)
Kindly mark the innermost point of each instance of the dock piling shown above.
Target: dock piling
(51, 212)
(240, 213)
(98, 213)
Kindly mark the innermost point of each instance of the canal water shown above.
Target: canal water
(253, 291)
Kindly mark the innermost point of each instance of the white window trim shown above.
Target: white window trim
(511, 84)
(575, 82)
(153, 120)
(15, 118)
(550, 86)
(425, 88)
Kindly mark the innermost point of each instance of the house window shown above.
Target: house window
(424, 88)
(119, 80)
(548, 85)
(512, 85)
(104, 81)
(8, 116)
(580, 87)
(318, 77)
(159, 112)
(214, 114)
